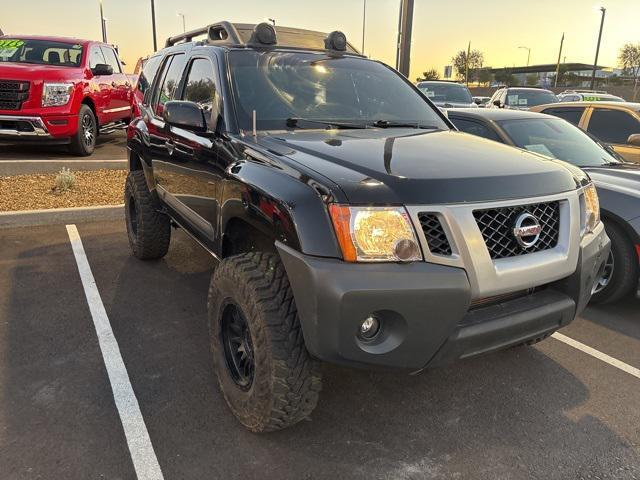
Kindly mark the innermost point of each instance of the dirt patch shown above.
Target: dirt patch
(35, 192)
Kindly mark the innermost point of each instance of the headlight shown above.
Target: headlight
(56, 94)
(590, 209)
(375, 234)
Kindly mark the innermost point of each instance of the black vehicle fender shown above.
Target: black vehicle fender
(280, 206)
(136, 133)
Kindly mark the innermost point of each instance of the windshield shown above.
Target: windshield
(529, 98)
(42, 52)
(446, 92)
(557, 138)
(285, 85)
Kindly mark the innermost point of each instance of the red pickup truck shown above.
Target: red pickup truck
(61, 90)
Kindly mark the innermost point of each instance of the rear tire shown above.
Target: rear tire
(149, 231)
(621, 276)
(264, 370)
(83, 143)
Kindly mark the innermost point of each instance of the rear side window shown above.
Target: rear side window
(475, 128)
(172, 73)
(147, 74)
(571, 115)
(111, 58)
(200, 86)
(612, 126)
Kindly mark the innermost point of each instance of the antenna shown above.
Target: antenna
(255, 133)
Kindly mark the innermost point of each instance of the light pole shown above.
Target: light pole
(184, 25)
(153, 26)
(103, 24)
(364, 22)
(528, 54)
(595, 62)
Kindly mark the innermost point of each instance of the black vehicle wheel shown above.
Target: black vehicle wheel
(620, 276)
(265, 373)
(149, 230)
(83, 143)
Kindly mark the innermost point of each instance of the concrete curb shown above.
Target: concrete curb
(28, 167)
(56, 216)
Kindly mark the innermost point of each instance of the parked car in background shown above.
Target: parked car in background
(588, 96)
(447, 94)
(481, 101)
(61, 90)
(615, 123)
(617, 182)
(521, 98)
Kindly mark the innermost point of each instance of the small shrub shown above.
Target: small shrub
(65, 180)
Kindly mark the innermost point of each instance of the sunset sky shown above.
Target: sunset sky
(496, 27)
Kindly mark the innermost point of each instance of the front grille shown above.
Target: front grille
(434, 233)
(12, 94)
(496, 225)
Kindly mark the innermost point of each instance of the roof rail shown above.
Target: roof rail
(222, 32)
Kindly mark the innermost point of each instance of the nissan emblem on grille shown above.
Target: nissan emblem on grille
(527, 230)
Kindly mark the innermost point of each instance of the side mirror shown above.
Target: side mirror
(477, 101)
(634, 140)
(187, 115)
(102, 69)
(497, 103)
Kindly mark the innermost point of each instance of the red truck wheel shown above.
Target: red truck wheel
(84, 141)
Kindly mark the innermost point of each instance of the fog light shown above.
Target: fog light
(370, 327)
(406, 250)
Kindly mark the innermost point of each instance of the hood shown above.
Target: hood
(625, 175)
(31, 72)
(407, 166)
(455, 105)
(618, 188)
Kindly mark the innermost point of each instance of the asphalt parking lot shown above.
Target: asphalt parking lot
(544, 412)
(108, 147)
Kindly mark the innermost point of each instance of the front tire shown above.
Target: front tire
(148, 229)
(264, 370)
(620, 276)
(83, 143)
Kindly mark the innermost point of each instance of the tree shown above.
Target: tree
(459, 61)
(431, 74)
(505, 77)
(484, 76)
(533, 79)
(629, 58)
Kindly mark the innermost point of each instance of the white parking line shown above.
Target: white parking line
(614, 362)
(143, 456)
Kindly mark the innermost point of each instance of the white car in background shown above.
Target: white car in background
(447, 94)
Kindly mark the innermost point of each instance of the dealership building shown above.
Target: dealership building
(546, 72)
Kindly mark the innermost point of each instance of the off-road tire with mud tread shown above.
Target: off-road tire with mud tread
(287, 380)
(150, 239)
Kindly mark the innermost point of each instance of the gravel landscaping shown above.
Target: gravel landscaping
(35, 192)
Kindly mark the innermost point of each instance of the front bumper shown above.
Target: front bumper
(37, 128)
(425, 308)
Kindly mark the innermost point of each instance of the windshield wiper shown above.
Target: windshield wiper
(292, 122)
(390, 124)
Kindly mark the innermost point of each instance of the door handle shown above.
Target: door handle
(171, 146)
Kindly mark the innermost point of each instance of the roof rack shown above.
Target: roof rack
(222, 32)
(244, 34)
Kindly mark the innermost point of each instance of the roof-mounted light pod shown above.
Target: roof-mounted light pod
(336, 41)
(265, 34)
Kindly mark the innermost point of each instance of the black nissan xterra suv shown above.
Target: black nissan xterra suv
(351, 222)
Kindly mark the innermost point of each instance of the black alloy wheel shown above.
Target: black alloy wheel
(238, 347)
